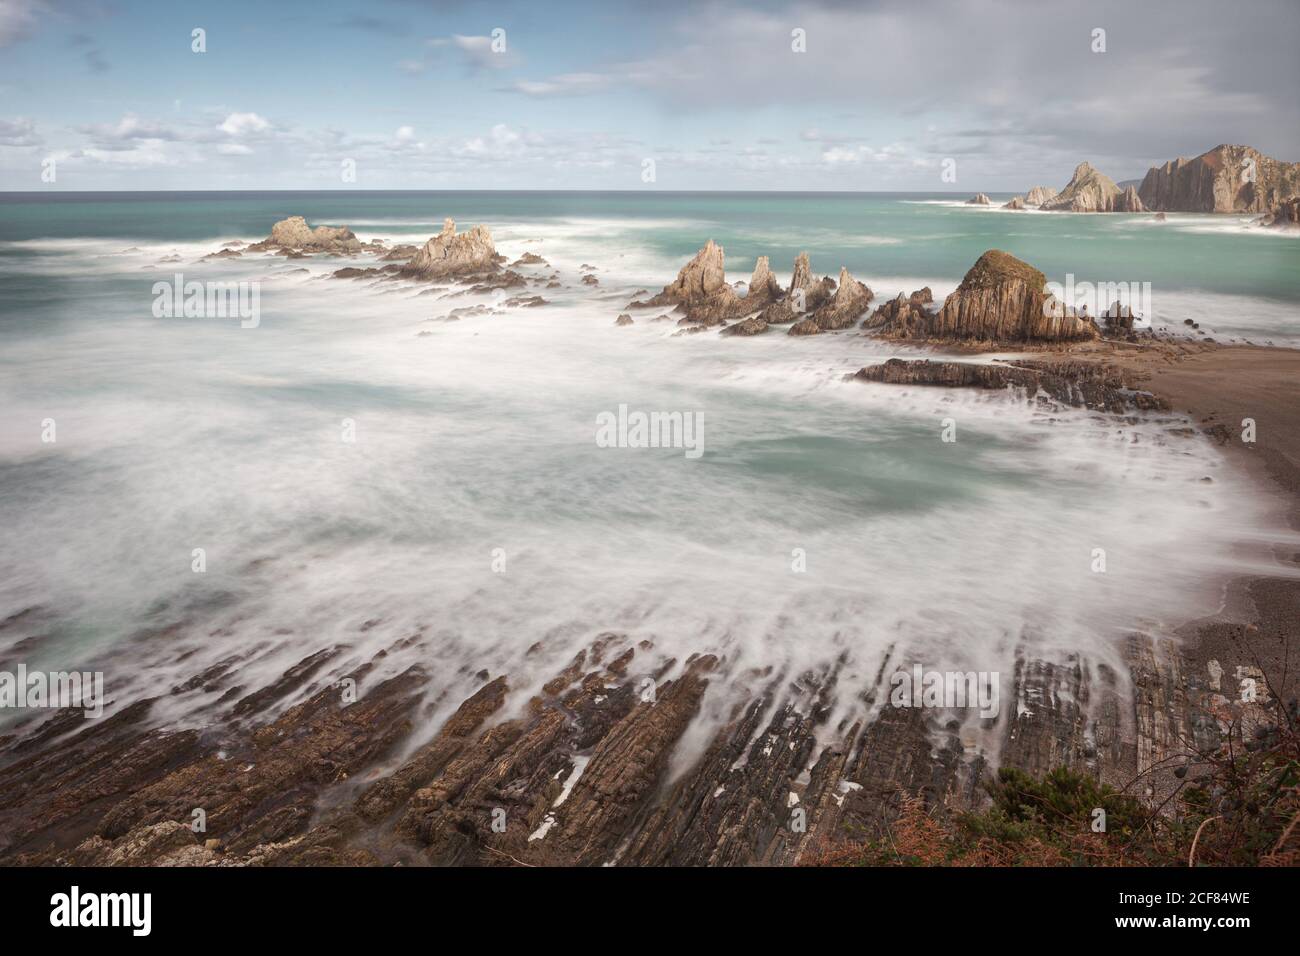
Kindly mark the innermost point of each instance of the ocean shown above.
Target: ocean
(357, 471)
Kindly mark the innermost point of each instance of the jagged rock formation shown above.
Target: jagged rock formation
(1285, 215)
(906, 315)
(449, 254)
(805, 295)
(763, 286)
(805, 327)
(1039, 195)
(294, 235)
(979, 199)
(1224, 179)
(1129, 201)
(1000, 300)
(1079, 384)
(851, 299)
(1089, 190)
(702, 292)
(1018, 202)
(579, 775)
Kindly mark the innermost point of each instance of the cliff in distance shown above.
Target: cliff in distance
(1224, 179)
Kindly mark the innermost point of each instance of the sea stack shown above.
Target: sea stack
(1001, 300)
(851, 299)
(979, 199)
(1089, 190)
(450, 254)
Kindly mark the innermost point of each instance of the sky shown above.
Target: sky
(402, 94)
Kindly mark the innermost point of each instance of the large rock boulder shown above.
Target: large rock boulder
(293, 234)
(1224, 179)
(1089, 190)
(1017, 202)
(1001, 300)
(979, 199)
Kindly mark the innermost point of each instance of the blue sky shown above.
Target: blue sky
(413, 94)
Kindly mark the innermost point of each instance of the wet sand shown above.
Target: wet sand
(1220, 386)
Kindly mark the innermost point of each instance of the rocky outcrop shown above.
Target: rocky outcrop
(805, 327)
(1016, 203)
(453, 255)
(608, 762)
(1089, 190)
(1285, 215)
(623, 319)
(754, 325)
(1039, 195)
(850, 300)
(701, 290)
(979, 199)
(1129, 201)
(1001, 300)
(906, 315)
(1224, 179)
(294, 235)
(763, 286)
(1079, 384)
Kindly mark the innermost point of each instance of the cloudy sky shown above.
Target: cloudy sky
(580, 95)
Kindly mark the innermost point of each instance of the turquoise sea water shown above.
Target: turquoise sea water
(473, 440)
(900, 234)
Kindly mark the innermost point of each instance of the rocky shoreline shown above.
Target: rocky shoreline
(581, 773)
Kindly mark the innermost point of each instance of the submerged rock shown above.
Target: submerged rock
(623, 319)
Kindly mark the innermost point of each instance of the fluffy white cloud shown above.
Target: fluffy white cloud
(241, 124)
